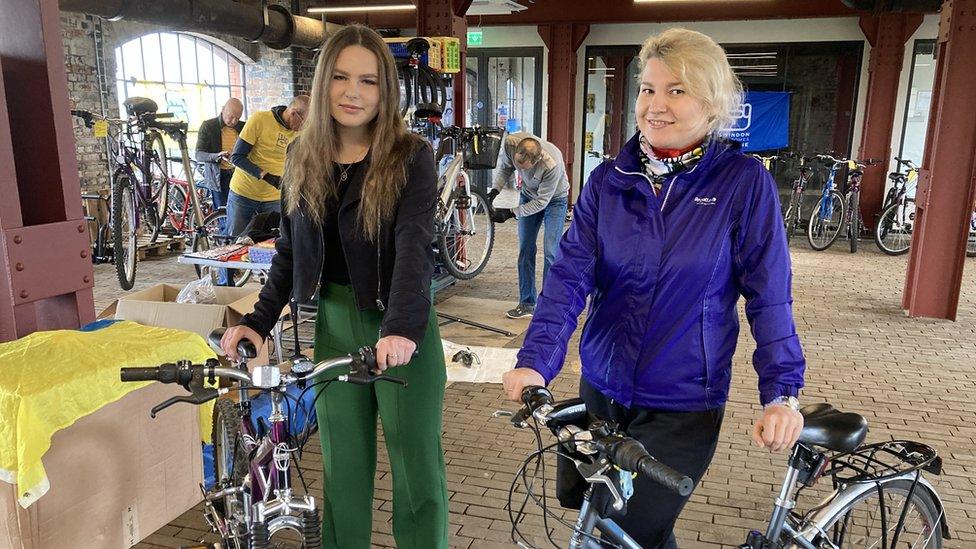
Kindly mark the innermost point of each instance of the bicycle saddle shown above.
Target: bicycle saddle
(426, 110)
(828, 427)
(139, 105)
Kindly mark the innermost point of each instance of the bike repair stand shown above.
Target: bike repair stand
(442, 280)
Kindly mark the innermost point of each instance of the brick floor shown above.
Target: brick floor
(911, 378)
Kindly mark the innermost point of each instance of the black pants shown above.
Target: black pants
(685, 441)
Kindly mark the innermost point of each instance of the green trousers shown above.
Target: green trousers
(411, 419)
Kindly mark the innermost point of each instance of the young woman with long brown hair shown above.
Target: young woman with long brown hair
(358, 202)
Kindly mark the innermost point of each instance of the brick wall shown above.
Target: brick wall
(272, 78)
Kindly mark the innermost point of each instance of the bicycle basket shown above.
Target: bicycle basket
(481, 148)
(883, 460)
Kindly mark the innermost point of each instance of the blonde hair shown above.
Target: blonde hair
(308, 173)
(702, 67)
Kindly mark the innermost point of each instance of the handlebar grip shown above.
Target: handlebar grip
(246, 349)
(630, 455)
(139, 374)
(666, 476)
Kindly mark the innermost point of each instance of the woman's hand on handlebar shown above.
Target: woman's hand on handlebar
(393, 351)
(233, 335)
(518, 379)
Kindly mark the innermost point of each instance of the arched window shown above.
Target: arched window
(185, 75)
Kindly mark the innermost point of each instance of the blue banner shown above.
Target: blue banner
(764, 121)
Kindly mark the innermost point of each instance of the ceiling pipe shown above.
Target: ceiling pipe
(273, 25)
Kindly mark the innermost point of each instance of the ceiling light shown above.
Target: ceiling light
(362, 8)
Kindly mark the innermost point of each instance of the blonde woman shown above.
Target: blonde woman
(358, 206)
(664, 240)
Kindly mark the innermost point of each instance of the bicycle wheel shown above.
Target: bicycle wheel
(854, 227)
(868, 519)
(157, 169)
(464, 242)
(792, 216)
(124, 228)
(971, 241)
(893, 234)
(213, 226)
(177, 214)
(826, 219)
(230, 462)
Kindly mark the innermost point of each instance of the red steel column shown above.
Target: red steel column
(563, 40)
(446, 18)
(947, 182)
(46, 273)
(886, 34)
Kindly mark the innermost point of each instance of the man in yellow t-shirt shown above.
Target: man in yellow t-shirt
(259, 156)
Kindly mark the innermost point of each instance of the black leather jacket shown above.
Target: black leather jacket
(392, 275)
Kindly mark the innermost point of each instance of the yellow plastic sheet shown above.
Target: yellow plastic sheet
(48, 380)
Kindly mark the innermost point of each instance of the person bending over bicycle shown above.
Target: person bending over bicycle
(663, 242)
(358, 216)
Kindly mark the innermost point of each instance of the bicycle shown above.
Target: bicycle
(464, 231)
(823, 228)
(893, 233)
(137, 160)
(794, 211)
(252, 506)
(864, 478)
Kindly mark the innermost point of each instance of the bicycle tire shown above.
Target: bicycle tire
(792, 217)
(449, 246)
(151, 220)
(213, 226)
(157, 169)
(889, 240)
(921, 499)
(230, 457)
(177, 216)
(124, 238)
(817, 226)
(971, 239)
(854, 227)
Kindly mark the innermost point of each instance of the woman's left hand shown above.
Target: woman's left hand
(778, 429)
(393, 351)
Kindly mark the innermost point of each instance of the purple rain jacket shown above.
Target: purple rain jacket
(663, 275)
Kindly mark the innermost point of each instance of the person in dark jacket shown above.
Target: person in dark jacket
(357, 222)
(215, 141)
(664, 240)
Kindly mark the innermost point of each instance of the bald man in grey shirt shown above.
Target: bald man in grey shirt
(540, 172)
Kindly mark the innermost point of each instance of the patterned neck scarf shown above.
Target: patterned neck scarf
(658, 169)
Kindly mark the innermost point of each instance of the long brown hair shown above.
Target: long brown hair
(308, 176)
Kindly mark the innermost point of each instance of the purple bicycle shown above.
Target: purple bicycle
(252, 505)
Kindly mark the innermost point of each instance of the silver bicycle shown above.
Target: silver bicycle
(464, 230)
(879, 497)
(253, 505)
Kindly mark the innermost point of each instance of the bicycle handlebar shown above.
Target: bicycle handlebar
(625, 452)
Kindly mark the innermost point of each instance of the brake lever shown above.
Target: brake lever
(197, 398)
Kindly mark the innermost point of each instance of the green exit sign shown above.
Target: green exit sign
(476, 38)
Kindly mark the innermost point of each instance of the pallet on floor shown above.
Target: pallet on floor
(164, 245)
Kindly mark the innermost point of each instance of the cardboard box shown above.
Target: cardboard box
(116, 477)
(157, 306)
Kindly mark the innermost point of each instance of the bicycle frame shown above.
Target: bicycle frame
(826, 206)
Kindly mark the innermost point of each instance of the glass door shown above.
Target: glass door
(504, 89)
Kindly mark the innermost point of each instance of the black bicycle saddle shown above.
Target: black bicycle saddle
(139, 105)
(828, 427)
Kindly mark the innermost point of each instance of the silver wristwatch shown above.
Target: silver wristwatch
(790, 402)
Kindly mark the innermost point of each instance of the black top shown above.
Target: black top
(334, 267)
(403, 241)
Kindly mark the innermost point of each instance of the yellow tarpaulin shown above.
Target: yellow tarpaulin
(48, 380)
